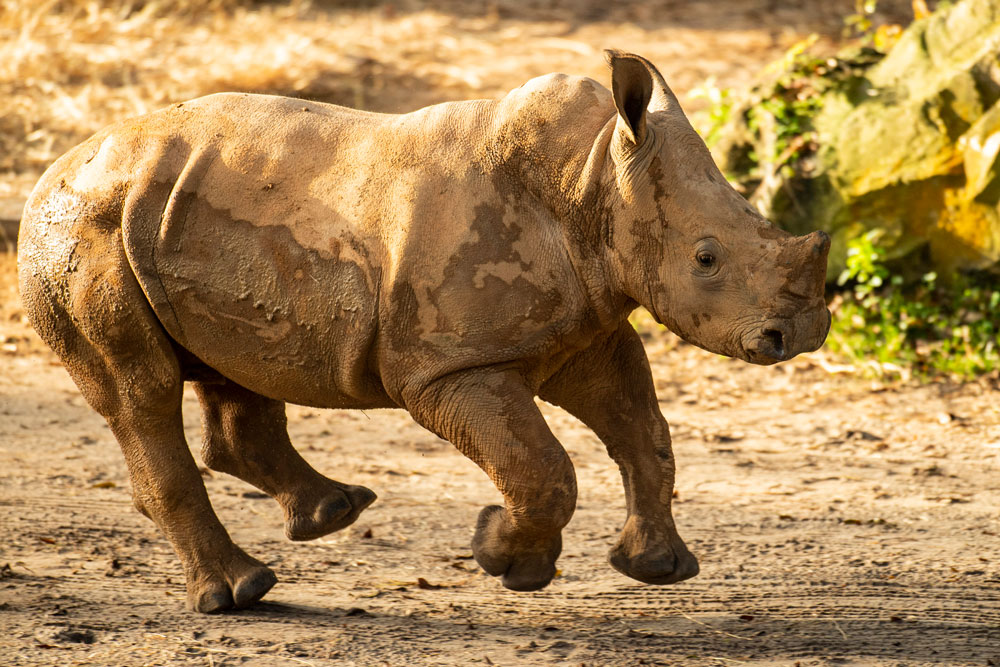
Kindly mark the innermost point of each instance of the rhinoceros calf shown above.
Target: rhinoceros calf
(455, 262)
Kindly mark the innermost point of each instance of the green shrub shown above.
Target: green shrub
(848, 143)
(926, 328)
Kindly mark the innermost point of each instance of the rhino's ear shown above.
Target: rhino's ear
(632, 87)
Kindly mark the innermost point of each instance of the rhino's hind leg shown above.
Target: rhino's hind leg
(491, 416)
(97, 320)
(245, 435)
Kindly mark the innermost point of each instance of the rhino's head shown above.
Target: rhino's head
(690, 249)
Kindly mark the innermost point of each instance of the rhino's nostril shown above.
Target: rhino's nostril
(777, 341)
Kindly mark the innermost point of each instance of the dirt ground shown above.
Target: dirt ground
(837, 521)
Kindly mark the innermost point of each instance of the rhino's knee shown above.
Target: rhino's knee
(216, 448)
(215, 453)
(139, 505)
(552, 501)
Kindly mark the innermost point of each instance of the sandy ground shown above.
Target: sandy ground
(837, 521)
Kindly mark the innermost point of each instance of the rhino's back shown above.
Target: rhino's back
(245, 264)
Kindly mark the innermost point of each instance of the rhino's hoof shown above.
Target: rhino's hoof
(250, 589)
(530, 573)
(237, 591)
(657, 567)
(217, 598)
(521, 566)
(335, 511)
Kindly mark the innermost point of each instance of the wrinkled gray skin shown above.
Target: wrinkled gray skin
(455, 262)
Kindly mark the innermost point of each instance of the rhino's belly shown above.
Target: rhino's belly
(289, 322)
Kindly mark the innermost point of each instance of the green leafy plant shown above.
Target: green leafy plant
(720, 105)
(859, 24)
(788, 115)
(886, 320)
(925, 328)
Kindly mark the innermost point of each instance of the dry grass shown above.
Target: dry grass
(69, 67)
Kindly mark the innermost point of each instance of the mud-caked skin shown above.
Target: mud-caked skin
(455, 262)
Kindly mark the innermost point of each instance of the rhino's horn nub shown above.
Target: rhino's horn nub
(663, 98)
(809, 256)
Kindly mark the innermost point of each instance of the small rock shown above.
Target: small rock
(857, 434)
(356, 611)
(68, 636)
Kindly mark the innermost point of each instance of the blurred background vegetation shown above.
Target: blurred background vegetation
(891, 145)
(875, 121)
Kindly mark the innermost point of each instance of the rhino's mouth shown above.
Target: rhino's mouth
(742, 354)
(652, 310)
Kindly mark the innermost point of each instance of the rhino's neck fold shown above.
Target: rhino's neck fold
(564, 165)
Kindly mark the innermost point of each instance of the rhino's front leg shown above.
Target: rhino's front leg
(490, 415)
(609, 388)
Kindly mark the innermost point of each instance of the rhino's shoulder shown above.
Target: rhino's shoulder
(562, 90)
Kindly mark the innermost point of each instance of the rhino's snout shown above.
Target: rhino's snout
(780, 340)
(804, 327)
(767, 345)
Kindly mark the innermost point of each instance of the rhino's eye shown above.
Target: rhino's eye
(705, 259)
